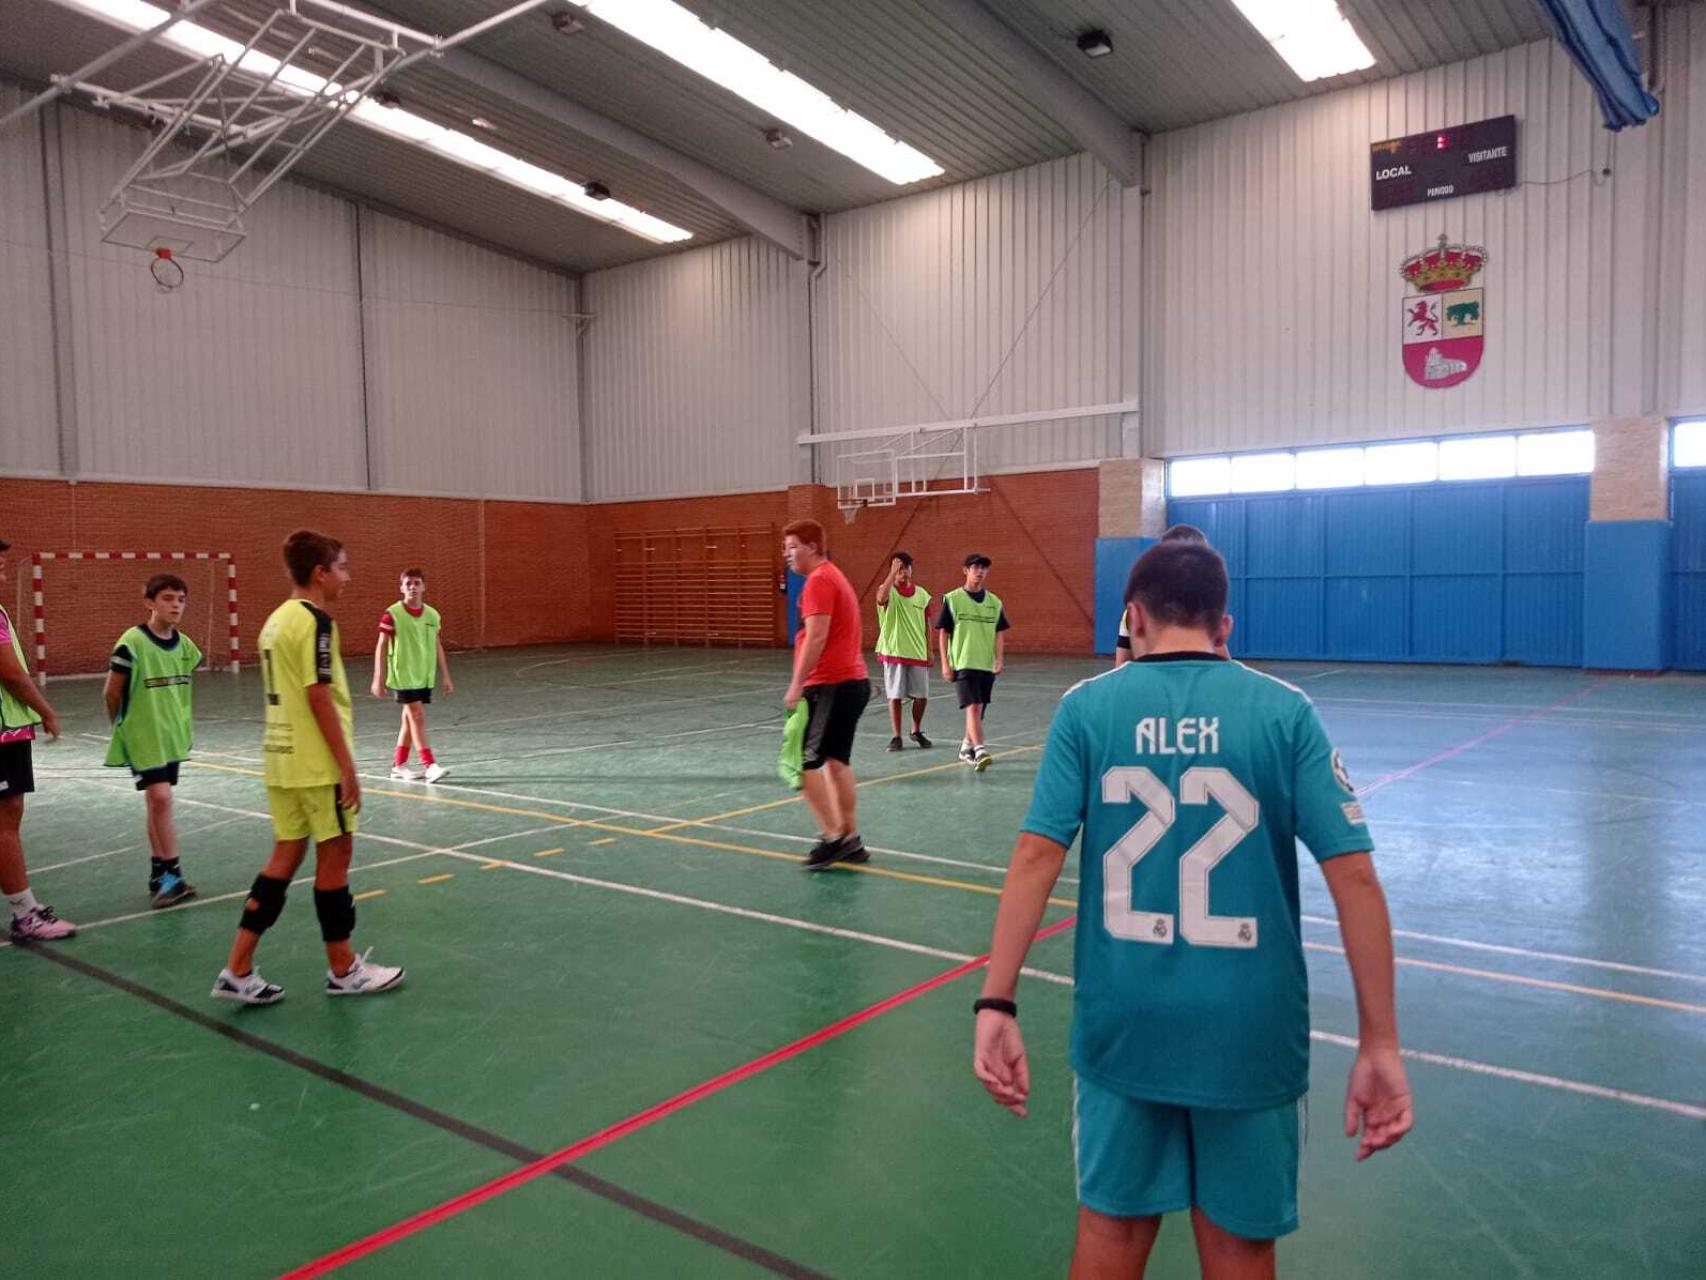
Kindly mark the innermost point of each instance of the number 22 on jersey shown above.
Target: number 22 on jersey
(1198, 786)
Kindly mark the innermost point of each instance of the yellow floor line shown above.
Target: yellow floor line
(547, 853)
(607, 840)
(492, 866)
(371, 893)
(436, 879)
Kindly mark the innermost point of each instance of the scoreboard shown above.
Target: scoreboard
(1443, 164)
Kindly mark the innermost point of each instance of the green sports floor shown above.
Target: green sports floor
(738, 1068)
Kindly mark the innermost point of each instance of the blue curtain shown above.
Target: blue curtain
(1597, 37)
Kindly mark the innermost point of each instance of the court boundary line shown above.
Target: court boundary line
(657, 1212)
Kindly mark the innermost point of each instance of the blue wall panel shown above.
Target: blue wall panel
(1114, 559)
(1627, 588)
(1459, 572)
(1688, 566)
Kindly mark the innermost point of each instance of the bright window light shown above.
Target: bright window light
(1416, 462)
(1262, 472)
(742, 70)
(1688, 444)
(1311, 35)
(1477, 458)
(1329, 469)
(199, 42)
(1190, 477)
(1554, 453)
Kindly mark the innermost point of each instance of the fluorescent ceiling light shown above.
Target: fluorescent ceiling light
(1311, 35)
(199, 42)
(742, 70)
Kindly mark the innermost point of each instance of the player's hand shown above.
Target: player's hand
(50, 722)
(998, 1060)
(449, 685)
(948, 674)
(349, 792)
(378, 689)
(998, 665)
(1377, 1101)
(791, 699)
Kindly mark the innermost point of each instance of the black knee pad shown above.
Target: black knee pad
(266, 901)
(336, 910)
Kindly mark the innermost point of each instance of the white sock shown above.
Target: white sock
(22, 903)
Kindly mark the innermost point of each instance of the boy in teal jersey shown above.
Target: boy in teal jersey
(903, 646)
(408, 660)
(23, 710)
(148, 702)
(1191, 778)
(970, 626)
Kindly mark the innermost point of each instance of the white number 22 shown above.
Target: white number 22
(1199, 785)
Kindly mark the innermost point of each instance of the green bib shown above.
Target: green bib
(972, 647)
(155, 725)
(411, 662)
(901, 628)
(14, 714)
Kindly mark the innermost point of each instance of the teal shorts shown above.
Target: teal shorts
(1138, 1159)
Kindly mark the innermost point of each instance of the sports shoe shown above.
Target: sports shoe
(826, 853)
(363, 978)
(435, 771)
(981, 758)
(251, 988)
(402, 773)
(966, 752)
(920, 739)
(895, 744)
(169, 889)
(852, 849)
(41, 925)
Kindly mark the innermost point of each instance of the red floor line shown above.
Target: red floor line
(622, 1128)
(1386, 779)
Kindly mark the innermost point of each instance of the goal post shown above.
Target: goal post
(214, 559)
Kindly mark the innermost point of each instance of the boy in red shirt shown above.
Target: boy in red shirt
(829, 674)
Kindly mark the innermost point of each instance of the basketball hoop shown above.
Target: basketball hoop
(165, 269)
(850, 510)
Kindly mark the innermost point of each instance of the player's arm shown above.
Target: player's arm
(943, 639)
(21, 687)
(444, 668)
(1000, 651)
(1378, 1098)
(112, 692)
(325, 712)
(887, 584)
(806, 654)
(379, 653)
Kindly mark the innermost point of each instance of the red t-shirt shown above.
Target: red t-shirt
(827, 591)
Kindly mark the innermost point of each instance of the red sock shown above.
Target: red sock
(426, 757)
(402, 757)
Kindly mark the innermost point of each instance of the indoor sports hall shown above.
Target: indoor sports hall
(573, 324)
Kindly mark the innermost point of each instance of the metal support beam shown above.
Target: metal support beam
(1069, 104)
(764, 216)
(59, 290)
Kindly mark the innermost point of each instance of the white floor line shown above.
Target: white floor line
(129, 848)
(774, 721)
(1498, 949)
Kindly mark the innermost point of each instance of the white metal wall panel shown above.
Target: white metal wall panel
(1682, 328)
(29, 425)
(697, 373)
(470, 368)
(1001, 295)
(1274, 291)
(249, 373)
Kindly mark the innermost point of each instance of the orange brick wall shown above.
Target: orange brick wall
(515, 573)
(502, 573)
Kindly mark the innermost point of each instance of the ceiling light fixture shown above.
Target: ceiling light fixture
(742, 70)
(1311, 35)
(378, 113)
(1095, 43)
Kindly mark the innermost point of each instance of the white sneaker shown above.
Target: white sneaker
(435, 771)
(402, 773)
(364, 978)
(40, 925)
(251, 989)
(981, 758)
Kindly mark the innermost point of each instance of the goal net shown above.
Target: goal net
(83, 600)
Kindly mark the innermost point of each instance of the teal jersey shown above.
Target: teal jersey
(1192, 778)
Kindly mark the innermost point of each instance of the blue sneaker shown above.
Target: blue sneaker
(169, 890)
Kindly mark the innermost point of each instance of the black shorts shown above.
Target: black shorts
(17, 770)
(414, 695)
(832, 721)
(146, 778)
(976, 688)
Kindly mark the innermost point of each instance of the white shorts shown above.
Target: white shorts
(903, 681)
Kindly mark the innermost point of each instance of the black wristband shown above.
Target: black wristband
(996, 1003)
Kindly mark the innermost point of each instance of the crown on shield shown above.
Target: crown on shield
(1446, 266)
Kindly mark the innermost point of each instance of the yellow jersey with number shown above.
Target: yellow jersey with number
(299, 649)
